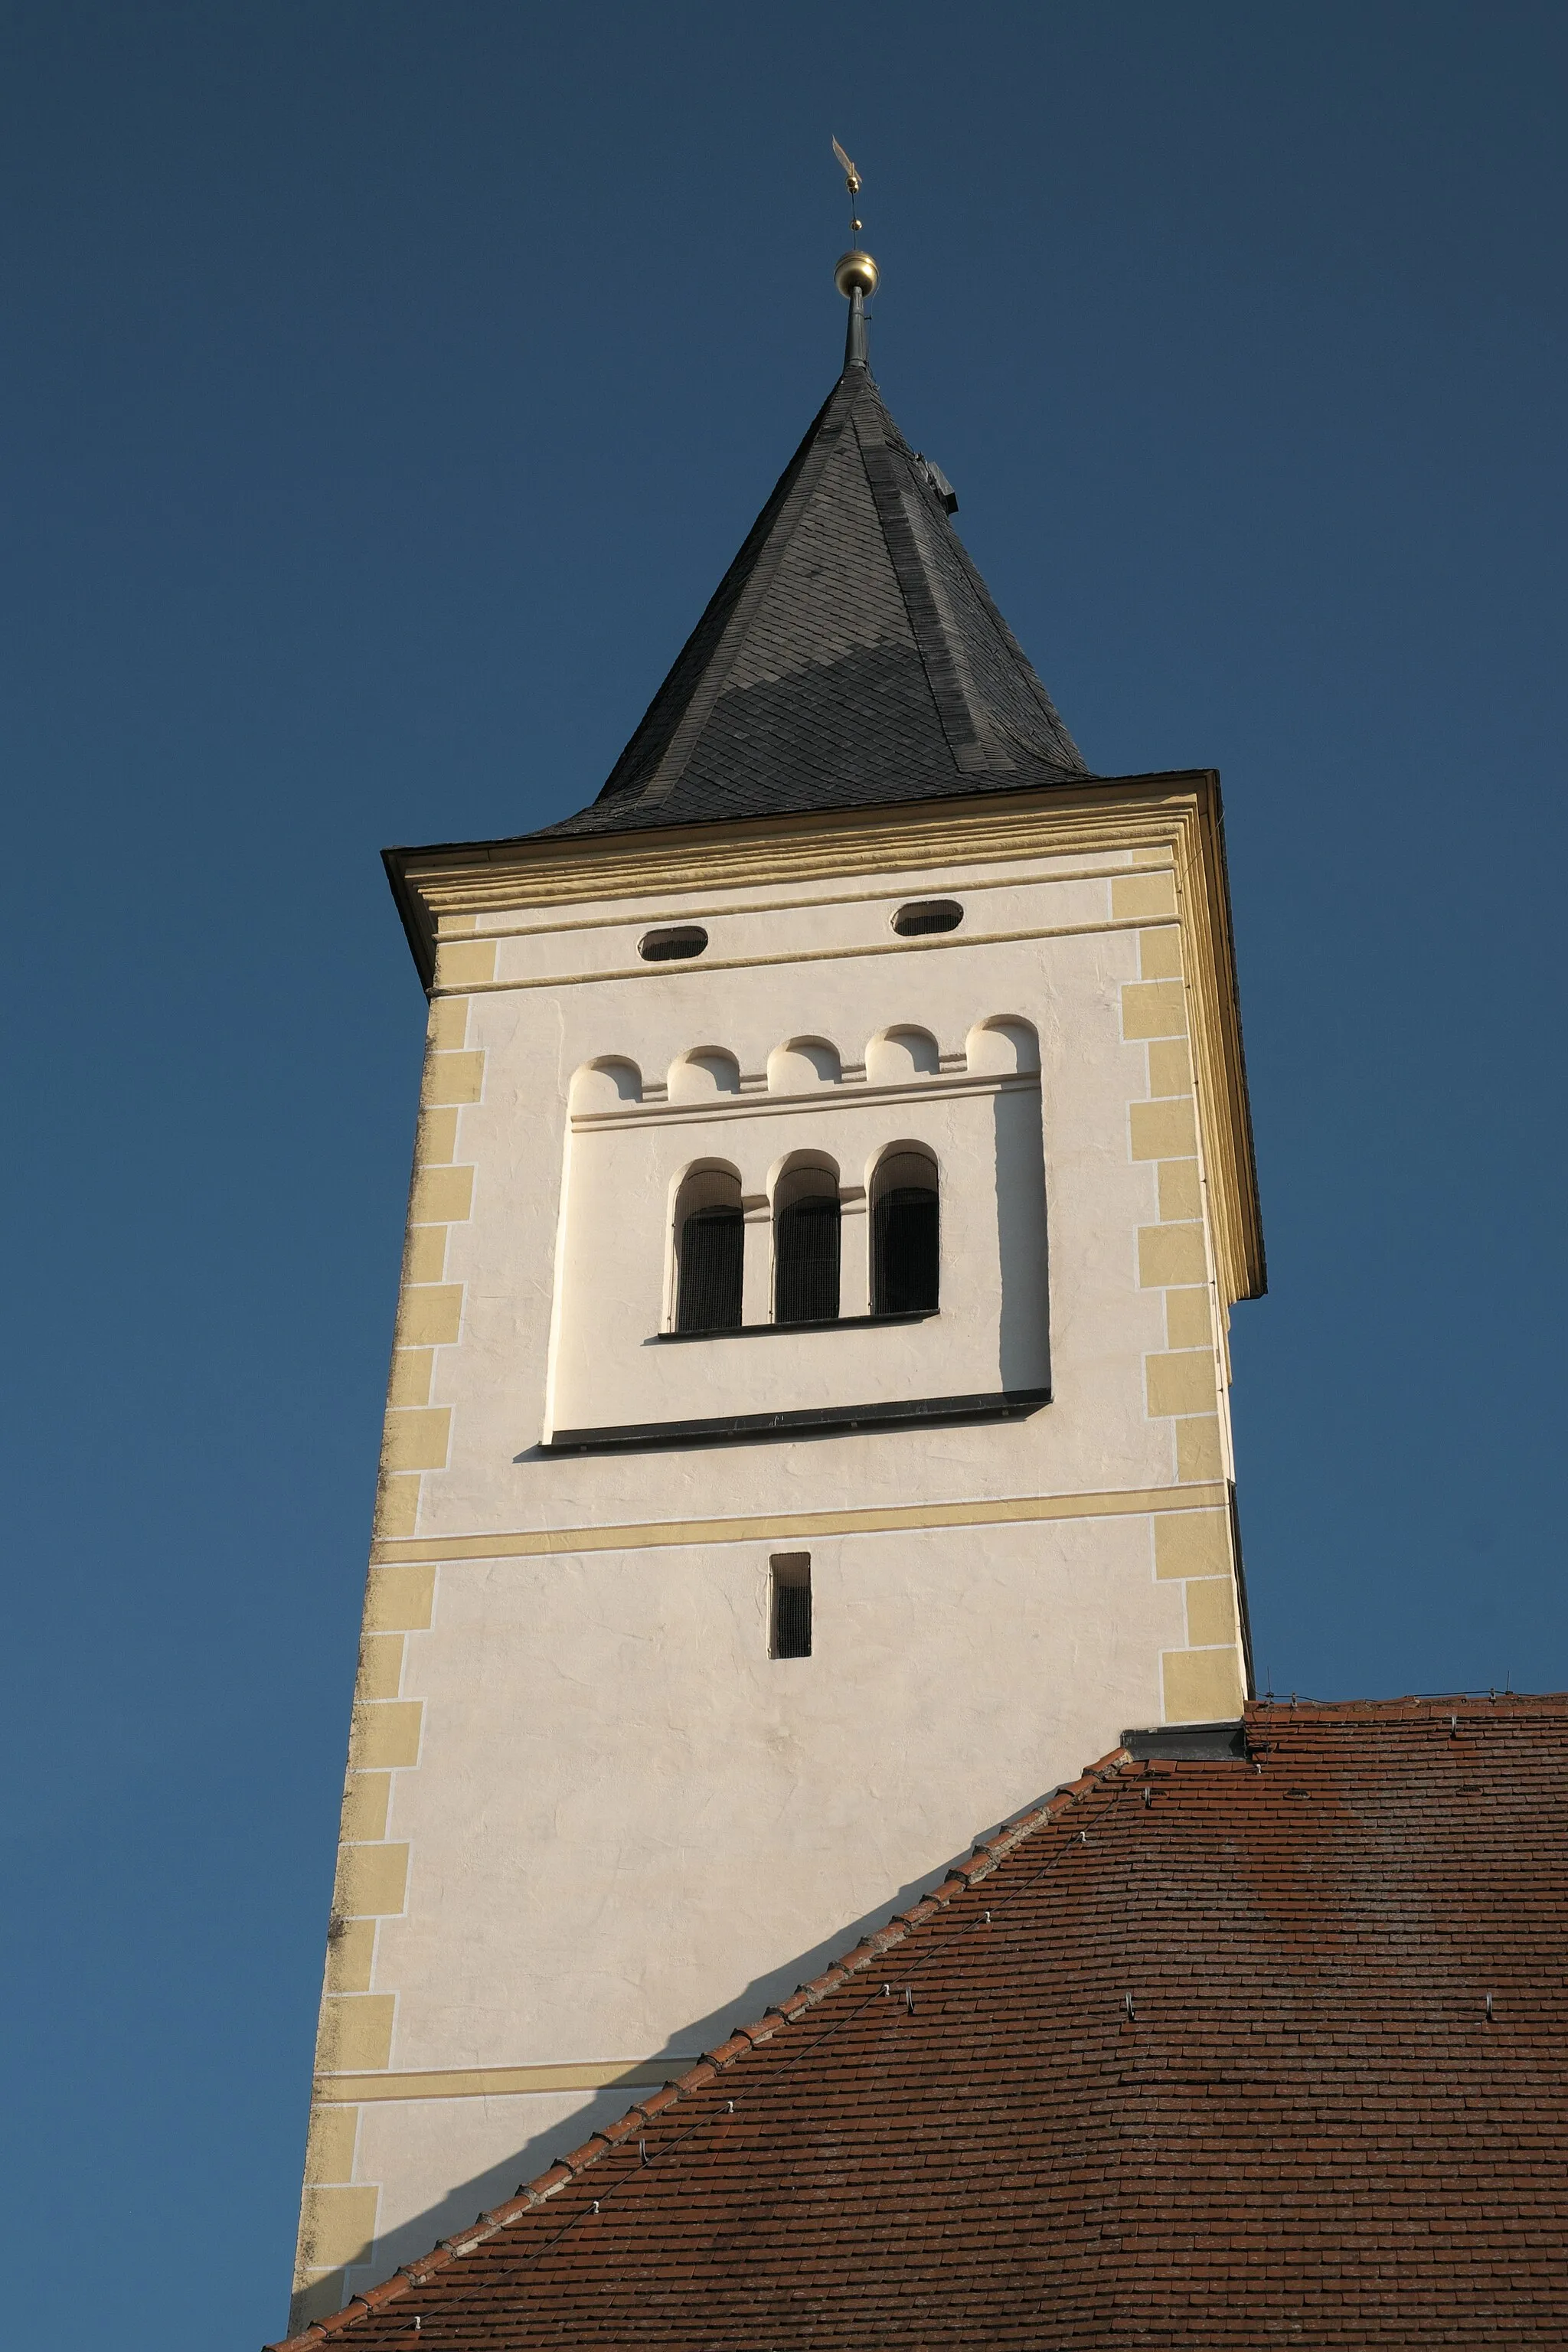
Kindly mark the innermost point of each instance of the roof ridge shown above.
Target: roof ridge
(1415, 1706)
(983, 1857)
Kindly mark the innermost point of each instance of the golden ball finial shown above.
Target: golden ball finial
(855, 271)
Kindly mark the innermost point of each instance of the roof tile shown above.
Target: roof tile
(850, 656)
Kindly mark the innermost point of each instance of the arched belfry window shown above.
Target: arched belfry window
(806, 1245)
(710, 1250)
(906, 1233)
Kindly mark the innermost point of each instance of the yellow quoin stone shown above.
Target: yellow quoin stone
(336, 2226)
(355, 2032)
(1143, 898)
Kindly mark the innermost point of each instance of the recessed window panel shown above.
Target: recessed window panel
(672, 945)
(906, 1234)
(710, 1252)
(806, 1261)
(923, 914)
(713, 1251)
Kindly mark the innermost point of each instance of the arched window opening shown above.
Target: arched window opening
(805, 1245)
(906, 1234)
(710, 1252)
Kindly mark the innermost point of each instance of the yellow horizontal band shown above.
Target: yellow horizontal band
(531, 1543)
(499, 2082)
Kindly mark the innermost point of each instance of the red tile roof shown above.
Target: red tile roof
(1200, 2054)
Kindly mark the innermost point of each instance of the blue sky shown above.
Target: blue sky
(388, 386)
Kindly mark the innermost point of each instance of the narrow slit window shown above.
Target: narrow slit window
(791, 1608)
(926, 915)
(710, 1244)
(905, 1235)
(672, 945)
(806, 1246)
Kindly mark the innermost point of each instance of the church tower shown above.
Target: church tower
(806, 1440)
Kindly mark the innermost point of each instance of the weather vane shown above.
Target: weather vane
(852, 182)
(856, 273)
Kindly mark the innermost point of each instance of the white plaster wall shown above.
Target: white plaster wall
(631, 1829)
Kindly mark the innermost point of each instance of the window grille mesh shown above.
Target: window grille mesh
(712, 1246)
(908, 1249)
(792, 1604)
(805, 1262)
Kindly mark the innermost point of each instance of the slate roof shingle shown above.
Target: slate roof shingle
(1198, 2053)
(851, 655)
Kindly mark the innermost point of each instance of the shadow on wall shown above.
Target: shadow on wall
(499, 2183)
(1011, 1048)
(1024, 1341)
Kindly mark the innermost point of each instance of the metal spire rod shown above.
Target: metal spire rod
(856, 273)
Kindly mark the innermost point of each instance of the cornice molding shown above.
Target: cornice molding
(458, 878)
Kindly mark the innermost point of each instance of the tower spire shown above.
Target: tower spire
(855, 273)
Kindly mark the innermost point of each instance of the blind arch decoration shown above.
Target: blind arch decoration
(710, 1251)
(806, 1243)
(906, 1232)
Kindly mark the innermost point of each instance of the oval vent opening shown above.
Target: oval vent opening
(672, 947)
(927, 915)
